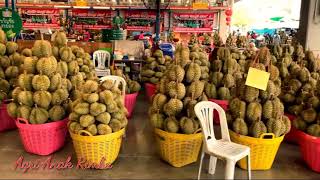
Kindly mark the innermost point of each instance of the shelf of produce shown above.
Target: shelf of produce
(89, 47)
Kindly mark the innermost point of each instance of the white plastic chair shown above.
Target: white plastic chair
(99, 61)
(116, 80)
(223, 149)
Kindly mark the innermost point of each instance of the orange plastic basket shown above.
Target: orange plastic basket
(262, 151)
(178, 149)
(94, 149)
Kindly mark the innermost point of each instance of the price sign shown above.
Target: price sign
(257, 79)
(200, 5)
(10, 22)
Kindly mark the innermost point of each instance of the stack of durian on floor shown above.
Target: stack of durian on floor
(99, 110)
(178, 91)
(132, 85)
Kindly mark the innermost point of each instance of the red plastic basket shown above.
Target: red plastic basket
(293, 135)
(42, 139)
(310, 150)
(130, 102)
(6, 122)
(224, 104)
(150, 90)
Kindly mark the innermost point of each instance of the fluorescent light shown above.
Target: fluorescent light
(100, 7)
(62, 6)
(81, 7)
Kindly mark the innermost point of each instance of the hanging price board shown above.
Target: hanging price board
(257, 79)
(10, 22)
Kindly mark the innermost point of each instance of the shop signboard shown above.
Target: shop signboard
(92, 19)
(10, 22)
(193, 22)
(40, 18)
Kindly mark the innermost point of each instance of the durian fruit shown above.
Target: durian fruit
(228, 81)
(159, 100)
(173, 107)
(26, 52)
(157, 120)
(210, 90)
(12, 109)
(257, 128)
(90, 86)
(42, 99)
(55, 82)
(237, 108)
(82, 108)
(254, 112)
(74, 117)
(193, 73)
(92, 129)
(25, 98)
(5, 86)
(115, 125)
(59, 96)
(3, 37)
(12, 72)
(75, 127)
(38, 116)
(40, 83)
(42, 48)
(104, 118)
(299, 123)
(195, 89)
(309, 115)
(60, 39)
(104, 129)
(90, 97)
(47, 66)
(267, 110)
(29, 65)
(176, 89)
(66, 54)
(224, 93)
(56, 113)
(73, 68)
(62, 68)
(188, 125)
(275, 126)
(286, 124)
(251, 94)
(11, 47)
(171, 125)
(24, 111)
(217, 78)
(176, 73)
(314, 130)
(97, 108)
(240, 127)
(86, 120)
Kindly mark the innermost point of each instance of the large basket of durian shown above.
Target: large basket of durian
(257, 118)
(308, 135)
(177, 129)
(97, 123)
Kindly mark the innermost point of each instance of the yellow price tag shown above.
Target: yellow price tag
(200, 5)
(257, 79)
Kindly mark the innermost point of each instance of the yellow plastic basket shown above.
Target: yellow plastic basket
(94, 149)
(178, 149)
(262, 151)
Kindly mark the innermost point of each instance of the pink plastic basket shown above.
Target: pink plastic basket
(293, 135)
(310, 150)
(42, 139)
(224, 104)
(130, 102)
(150, 90)
(6, 122)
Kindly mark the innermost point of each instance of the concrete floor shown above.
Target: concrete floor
(138, 159)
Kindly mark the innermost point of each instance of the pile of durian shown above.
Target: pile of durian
(154, 67)
(253, 112)
(178, 91)
(47, 79)
(99, 110)
(225, 71)
(132, 86)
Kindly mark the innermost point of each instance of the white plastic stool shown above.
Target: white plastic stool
(223, 149)
(101, 57)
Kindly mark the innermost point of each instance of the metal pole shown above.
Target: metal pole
(13, 5)
(158, 22)
(7, 3)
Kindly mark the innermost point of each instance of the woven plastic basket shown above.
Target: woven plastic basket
(178, 149)
(94, 149)
(6, 122)
(42, 139)
(150, 90)
(224, 104)
(130, 102)
(262, 151)
(310, 150)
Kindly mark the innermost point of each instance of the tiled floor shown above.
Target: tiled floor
(138, 159)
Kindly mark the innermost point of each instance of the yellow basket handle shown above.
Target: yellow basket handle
(266, 134)
(197, 131)
(160, 137)
(85, 132)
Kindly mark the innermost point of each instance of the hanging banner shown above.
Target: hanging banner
(92, 19)
(140, 14)
(10, 22)
(193, 22)
(40, 18)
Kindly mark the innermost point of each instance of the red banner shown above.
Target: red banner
(42, 11)
(141, 14)
(40, 26)
(138, 28)
(92, 27)
(191, 30)
(198, 16)
(91, 13)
